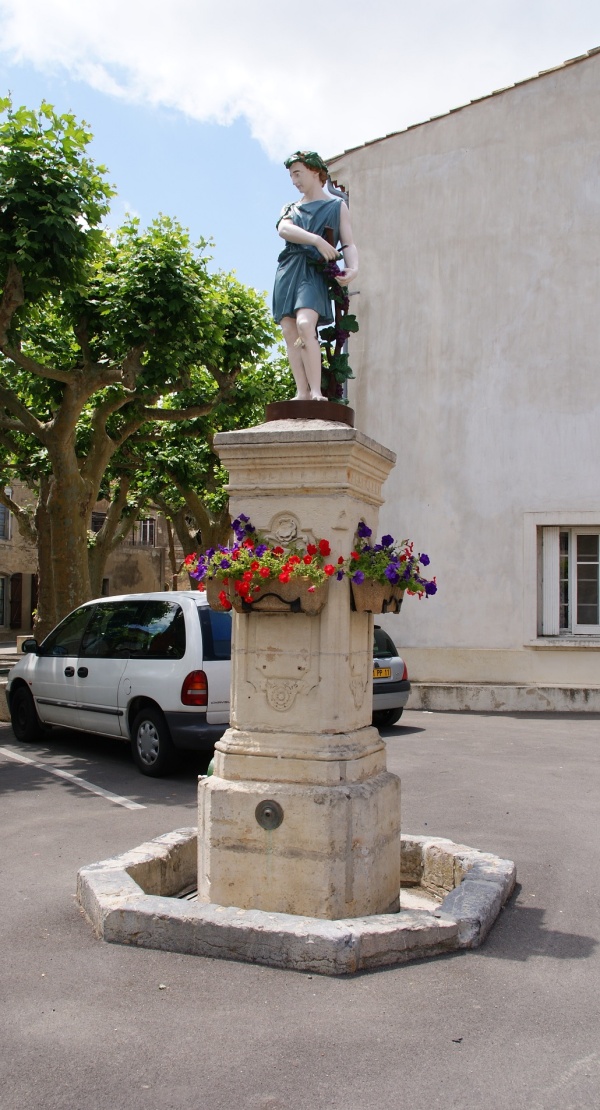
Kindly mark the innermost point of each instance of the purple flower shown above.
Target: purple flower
(387, 541)
(358, 577)
(363, 530)
(425, 560)
(225, 564)
(340, 575)
(391, 573)
(260, 549)
(430, 589)
(209, 554)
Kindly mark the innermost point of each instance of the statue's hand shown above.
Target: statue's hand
(325, 249)
(346, 277)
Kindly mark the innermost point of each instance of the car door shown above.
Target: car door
(53, 682)
(114, 635)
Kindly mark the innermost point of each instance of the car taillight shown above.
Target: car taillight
(195, 689)
(405, 673)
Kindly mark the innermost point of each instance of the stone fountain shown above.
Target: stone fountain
(298, 844)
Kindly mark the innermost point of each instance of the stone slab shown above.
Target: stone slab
(124, 913)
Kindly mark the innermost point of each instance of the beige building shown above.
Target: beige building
(477, 361)
(140, 565)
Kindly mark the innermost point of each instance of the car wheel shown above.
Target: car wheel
(151, 744)
(387, 716)
(26, 724)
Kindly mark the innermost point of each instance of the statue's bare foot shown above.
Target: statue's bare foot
(317, 397)
(302, 397)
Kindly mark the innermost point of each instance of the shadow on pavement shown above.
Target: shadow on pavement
(520, 933)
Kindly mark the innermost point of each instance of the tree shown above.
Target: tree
(103, 338)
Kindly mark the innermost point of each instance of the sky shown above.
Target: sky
(195, 104)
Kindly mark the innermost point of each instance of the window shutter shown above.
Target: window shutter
(550, 584)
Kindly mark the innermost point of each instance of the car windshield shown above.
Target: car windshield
(383, 646)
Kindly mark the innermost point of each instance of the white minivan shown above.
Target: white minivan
(153, 669)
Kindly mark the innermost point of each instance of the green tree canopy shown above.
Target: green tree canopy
(111, 347)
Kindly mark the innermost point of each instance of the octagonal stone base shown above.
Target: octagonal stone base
(133, 899)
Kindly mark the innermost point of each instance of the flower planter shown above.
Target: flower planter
(375, 597)
(294, 596)
(215, 586)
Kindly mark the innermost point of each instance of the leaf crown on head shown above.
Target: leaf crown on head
(309, 158)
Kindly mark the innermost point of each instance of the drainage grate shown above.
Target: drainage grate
(190, 894)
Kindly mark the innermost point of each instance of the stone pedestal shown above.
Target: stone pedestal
(301, 815)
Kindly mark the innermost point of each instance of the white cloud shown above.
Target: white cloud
(326, 77)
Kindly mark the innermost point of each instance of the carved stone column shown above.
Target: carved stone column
(301, 815)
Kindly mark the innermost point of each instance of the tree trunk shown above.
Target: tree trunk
(45, 614)
(68, 508)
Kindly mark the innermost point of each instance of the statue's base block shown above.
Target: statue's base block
(133, 899)
(335, 854)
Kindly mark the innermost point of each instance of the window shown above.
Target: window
(147, 531)
(570, 581)
(135, 630)
(5, 519)
(216, 633)
(66, 638)
(97, 521)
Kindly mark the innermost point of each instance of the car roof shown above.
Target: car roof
(199, 596)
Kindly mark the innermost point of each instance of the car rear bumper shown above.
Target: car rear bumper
(192, 732)
(390, 695)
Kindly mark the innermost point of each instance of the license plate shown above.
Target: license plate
(382, 672)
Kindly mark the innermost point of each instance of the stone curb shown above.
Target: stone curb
(129, 900)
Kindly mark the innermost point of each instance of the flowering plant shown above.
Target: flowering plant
(251, 563)
(386, 562)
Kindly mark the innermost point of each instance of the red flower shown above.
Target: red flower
(254, 565)
(340, 560)
(189, 559)
(354, 555)
(278, 551)
(324, 547)
(329, 569)
(307, 560)
(235, 554)
(247, 576)
(310, 547)
(311, 589)
(264, 572)
(284, 576)
(225, 602)
(293, 560)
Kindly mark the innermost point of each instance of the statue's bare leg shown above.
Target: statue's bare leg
(293, 344)
(306, 323)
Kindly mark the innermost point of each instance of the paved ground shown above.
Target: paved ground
(515, 1025)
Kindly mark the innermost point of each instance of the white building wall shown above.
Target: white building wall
(477, 361)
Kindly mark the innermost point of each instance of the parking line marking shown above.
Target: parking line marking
(118, 799)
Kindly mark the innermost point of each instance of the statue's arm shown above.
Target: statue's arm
(294, 234)
(348, 248)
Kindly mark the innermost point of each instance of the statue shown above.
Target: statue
(312, 228)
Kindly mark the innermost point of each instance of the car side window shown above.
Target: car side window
(216, 633)
(135, 630)
(66, 638)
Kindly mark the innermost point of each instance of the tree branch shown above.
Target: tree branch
(27, 422)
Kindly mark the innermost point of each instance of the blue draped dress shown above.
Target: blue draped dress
(297, 283)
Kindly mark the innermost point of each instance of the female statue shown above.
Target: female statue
(312, 227)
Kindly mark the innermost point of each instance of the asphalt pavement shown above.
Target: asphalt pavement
(515, 1024)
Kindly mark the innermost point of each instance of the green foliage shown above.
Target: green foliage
(53, 198)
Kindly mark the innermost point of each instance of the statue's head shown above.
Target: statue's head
(311, 159)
